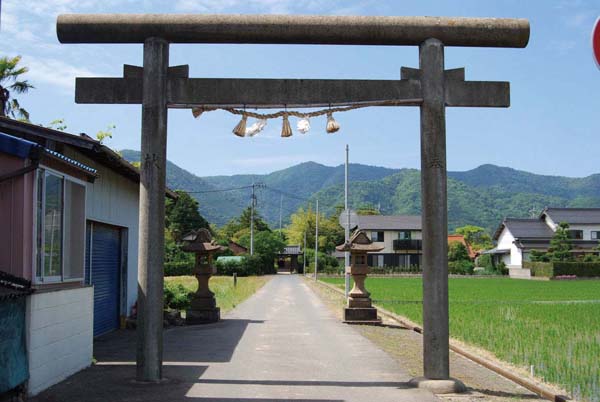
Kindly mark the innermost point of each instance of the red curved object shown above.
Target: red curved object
(596, 42)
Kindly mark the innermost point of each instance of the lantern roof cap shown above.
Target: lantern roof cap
(359, 242)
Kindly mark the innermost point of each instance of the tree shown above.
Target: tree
(476, 236)
(9, 84)
(101, 135)
(458, 252)
(240, 226)
(303, 221)
(182, 216)
(266, 243)
(560, 244)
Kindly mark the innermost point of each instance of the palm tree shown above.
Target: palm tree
(9, 82)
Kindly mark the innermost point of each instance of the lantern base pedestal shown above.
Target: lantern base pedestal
(361, 315)
(202, 316)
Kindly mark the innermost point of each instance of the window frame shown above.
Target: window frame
(596, 232)
(409, 232)
(572, 232)
(37, 255)
(378, 238)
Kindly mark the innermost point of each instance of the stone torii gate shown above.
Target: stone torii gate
(158, 87)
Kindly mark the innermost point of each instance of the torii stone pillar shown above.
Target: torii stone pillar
(430, 87)
(151, 247)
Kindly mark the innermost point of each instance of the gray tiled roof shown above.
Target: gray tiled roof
(531, 228)
(573, 215)
(389, 222)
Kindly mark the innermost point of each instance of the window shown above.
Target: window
(575, 234)
(595, 234)
(404, 235)
(60, 230)
(377, 236)
(379, 260)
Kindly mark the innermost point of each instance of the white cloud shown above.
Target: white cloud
(55, 72)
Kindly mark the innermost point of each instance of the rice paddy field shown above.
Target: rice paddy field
(552, 325)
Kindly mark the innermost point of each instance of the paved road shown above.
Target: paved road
(281, 344)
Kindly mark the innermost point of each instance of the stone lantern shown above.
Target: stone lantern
(203, 307)
(359, 309)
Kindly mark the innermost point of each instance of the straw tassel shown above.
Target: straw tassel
(332, 125)
(197, 111)
(286, 129)
(240, 129)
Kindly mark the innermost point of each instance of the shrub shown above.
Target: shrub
(462, 267)
(229, 267)
(179, 268)
(256, 264)
(539, 269)
(176, 296)
(327, 263)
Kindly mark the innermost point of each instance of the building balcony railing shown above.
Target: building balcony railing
(407, 244)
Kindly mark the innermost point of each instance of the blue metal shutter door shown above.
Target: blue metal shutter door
(105, 276)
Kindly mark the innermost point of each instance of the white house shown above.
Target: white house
(516, 238)
(69, 212)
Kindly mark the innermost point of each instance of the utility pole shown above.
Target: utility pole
(280, 209)
(346, 228)
(252, 204)
(317, 241)
(304, 257)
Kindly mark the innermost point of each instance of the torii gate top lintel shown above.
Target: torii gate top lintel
(292, 29)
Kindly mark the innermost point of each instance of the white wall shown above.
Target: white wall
(506, 242)
(59, 335)
(587, 230)
(114, 199)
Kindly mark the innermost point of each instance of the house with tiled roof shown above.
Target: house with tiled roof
(516, 238)
(69, 218)
(399, 235)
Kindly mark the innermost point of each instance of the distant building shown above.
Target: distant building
(400, 235)
(457, 238)
(237, 249)
(516, 238)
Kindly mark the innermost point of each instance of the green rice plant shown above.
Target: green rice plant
(552, 325)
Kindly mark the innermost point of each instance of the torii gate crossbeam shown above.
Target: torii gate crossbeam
(158, 87)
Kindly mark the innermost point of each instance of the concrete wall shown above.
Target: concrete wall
(16, 219)
(59, 335)
(114, 199)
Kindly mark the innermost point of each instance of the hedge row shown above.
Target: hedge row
(250, 265)
(179, 268)
(552, 269)
(583, 269)
(543, 269)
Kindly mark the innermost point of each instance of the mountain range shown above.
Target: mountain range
(482, 196)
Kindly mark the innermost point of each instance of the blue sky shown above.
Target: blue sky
(550, 128)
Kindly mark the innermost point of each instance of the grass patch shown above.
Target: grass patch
(228, 296)
(553, 325)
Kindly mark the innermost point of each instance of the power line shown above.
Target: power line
(220, 190)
